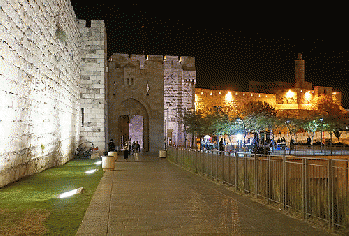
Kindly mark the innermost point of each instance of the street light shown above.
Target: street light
(243, 126)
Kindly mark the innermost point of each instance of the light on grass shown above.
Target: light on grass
(70, 193)
(91, 171)
(98, 162)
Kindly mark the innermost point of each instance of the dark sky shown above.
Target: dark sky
(233, 44)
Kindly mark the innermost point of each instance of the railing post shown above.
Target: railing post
(229, 170)
(236, 171)
(217, 156)
(269, 179)
(245, 172)
(223, 158)
(305, 176)
(196, 161)
(284, 177)
(256, 174)
(211, 164)
(330, 193)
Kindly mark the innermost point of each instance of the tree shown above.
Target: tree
(334, 117)
(196, 122)
(259, 116)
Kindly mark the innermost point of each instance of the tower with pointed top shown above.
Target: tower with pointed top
(300, 76)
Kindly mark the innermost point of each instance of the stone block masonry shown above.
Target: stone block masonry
(93, 80)
(45, 52)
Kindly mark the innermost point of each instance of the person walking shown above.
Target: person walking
(221, 146)
(111, 146)
(126, 152)
(137, 147)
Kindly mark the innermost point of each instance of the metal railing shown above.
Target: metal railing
(316, 187)
(326, 150)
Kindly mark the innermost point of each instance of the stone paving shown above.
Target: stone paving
(151, 196)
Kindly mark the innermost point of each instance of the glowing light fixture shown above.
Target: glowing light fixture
(202, 92)
(91, 171)
(289, 94)
(228, 97)
(239, 137)
(211, 93)
(251, 94)
(219, 92)
(70, 193)
(98, 162)
(307, 96)
(259, 95)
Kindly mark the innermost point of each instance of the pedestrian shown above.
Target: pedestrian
(138, 147)
(291, 144)
(126, 152)
(221, 146)
(111, 146)
(308, 140)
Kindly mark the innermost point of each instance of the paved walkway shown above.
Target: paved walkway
(154, 197)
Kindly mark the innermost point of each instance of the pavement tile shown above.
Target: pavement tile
(155, 197)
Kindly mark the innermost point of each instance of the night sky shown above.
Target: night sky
(233, 44)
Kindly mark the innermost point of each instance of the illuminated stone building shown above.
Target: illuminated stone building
(297, 98)
(145, 95)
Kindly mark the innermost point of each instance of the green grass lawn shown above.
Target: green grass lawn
(30, 206)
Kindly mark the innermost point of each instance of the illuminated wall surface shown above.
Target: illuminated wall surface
(40, 69)
(93, 81)
(179, 90)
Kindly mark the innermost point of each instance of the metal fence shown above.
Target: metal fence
(316, 187)
(326, 150)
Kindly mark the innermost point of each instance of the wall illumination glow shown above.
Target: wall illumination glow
(228, 97)
(307, 96)
(289, 94)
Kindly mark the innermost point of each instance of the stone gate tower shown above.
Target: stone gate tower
(142, 90)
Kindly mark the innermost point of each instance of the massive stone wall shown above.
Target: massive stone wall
(93, 80)
(206, 99)
(39, 93)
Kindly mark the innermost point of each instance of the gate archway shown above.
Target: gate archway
(133, 122)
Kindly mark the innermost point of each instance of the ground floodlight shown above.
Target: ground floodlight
(91, 171)
(70, 193)
(98, 162)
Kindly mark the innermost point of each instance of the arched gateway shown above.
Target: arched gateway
(140, 89)
(133, 123)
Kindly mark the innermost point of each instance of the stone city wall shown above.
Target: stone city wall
(206, 99)
(93, 80)
(39, 74)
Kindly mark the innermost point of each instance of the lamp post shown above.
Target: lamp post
(243, 127)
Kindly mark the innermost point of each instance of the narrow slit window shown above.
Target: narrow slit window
(82, 116)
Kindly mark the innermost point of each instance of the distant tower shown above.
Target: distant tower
(299, 72)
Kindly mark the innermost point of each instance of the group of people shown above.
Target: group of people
(128, 149)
